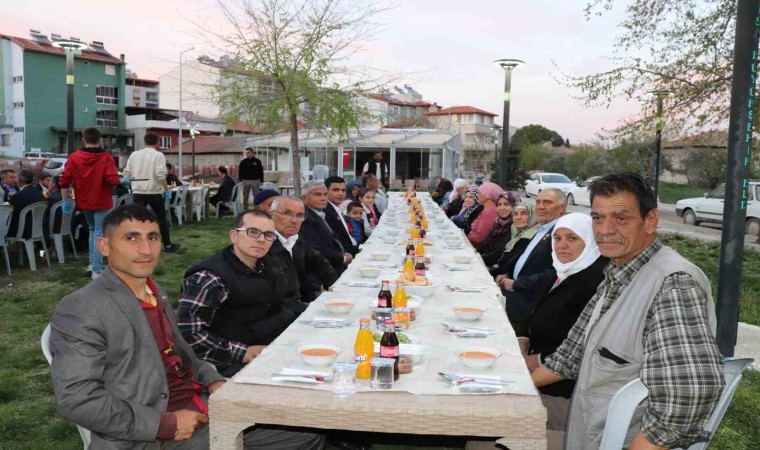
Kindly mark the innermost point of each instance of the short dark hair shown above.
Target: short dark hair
(248, 148)
(150, 139)
(127, 212)
(26, 177)
(44, 176)
(609, 185)
(333, 180)
(251, 212)
(367, 177)
(169, 166)
(353, 205)
(222, 169)
(91, 135)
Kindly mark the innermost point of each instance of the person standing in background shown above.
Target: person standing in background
(251, 172)
(378, 168)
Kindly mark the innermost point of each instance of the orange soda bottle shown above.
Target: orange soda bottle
(409, 265)
(419, 250)
(399, 296)
(364, 350)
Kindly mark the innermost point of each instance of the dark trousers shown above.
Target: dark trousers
(157, 204)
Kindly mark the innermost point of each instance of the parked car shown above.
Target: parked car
(709, 208)
(579, 195)
(54, 166)
(539, 181)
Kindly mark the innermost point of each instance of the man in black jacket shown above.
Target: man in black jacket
(28, 194)
(251, 175)
(520, 280)
(224, 194)
(315, 229)
(232, 305)
(307, 270)
(336, 194)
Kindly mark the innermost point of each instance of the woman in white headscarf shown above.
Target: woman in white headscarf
(560, 300)
(456, 198)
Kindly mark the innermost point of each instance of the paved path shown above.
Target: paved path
(748, 343)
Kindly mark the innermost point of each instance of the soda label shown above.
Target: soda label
(389, 352)
(359, 358)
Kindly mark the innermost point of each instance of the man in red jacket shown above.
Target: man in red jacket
(92, 172)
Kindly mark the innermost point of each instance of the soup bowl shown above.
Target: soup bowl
(318, 354)
(478, 357)
(339, 306)
(463, 259)
(380, 256)
(369, 272)
(467, 312)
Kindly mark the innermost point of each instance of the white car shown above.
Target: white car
(54, 166)
(709, 208)
(580, 195)
(537, 182)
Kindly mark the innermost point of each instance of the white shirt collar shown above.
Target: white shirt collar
(288, 243)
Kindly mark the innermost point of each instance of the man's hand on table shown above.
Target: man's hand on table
(533, 362)
(524, 345)
(506, 284)
(252, 352)
(347, 257)
(215, 385)
(187, 422)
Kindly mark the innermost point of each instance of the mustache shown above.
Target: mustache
(609, 240)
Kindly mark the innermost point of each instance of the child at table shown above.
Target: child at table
(355, 221)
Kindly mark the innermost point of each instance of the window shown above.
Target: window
(19, 129)
(107, 118)
(18, 104)
(719, 193)
(18, 79)
(5, 140)
(110, 69)
(107, 95)
(166, 141)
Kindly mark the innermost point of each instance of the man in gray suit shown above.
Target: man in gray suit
(120, 365)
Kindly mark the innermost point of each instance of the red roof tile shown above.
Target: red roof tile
(461, 110)
(34, 46)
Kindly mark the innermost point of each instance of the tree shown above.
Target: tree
(685, 46)
(291, 61)
(535, 134)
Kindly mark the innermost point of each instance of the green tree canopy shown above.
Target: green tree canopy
(534, 134)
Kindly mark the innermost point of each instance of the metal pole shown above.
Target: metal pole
(192, 170)
(179, 116)
(70, 101)
(658, 143)
(739, 153)
(505, 129)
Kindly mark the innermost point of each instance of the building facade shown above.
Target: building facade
(33, 96)
(140, 92)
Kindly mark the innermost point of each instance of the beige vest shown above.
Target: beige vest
(620, 330)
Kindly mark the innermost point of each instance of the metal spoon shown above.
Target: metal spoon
(457, 380)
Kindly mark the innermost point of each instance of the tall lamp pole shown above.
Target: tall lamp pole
(179, 117)
(71, 47)
(193, 133)
(508, 65)
(659, 96)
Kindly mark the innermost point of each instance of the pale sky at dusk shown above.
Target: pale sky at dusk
(448, 45)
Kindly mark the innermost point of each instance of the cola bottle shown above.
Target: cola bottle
(419, 267)
(389, 346)
(384, 297)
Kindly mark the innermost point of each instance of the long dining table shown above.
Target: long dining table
(420, 402)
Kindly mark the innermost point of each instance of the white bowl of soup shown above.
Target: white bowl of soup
(468, 312)
(339, 305)
(389, 239)
(478, 357)
(369, 272)
(463, 259)
(318, 354)
(381, 256)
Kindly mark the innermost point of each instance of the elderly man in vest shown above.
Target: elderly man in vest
(232, 305)
(652, 318)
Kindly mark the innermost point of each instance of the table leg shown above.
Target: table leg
(226, 435)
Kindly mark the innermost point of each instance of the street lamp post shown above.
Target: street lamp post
(508, 65)
(659, 96)
(71, 47)
(179, 116)
(193, 133)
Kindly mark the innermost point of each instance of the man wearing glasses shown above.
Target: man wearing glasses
(232, 305)
(308, 271)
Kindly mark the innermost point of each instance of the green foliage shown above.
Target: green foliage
(707, 167)
(533, 156)
(684, 46)
(534, 134)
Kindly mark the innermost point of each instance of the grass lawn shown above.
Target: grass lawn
(27, 411)
(671, 192)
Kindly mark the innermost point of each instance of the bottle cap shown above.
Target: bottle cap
(363, 320)
(390, 322)
(385, 281)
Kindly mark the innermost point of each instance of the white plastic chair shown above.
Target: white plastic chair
(199, 203)
(269, 185)
(125, 199)
(35, 212)
(233, 202)
(320, 172)
(627, 398)
(177, 204)
(64, 231)
(6, 212)
(45, 344)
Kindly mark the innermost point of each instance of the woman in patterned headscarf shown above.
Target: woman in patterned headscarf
(471, 208)
(492, 247)
(523, 230)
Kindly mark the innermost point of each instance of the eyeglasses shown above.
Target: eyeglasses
(290, 215)
(255, 233)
